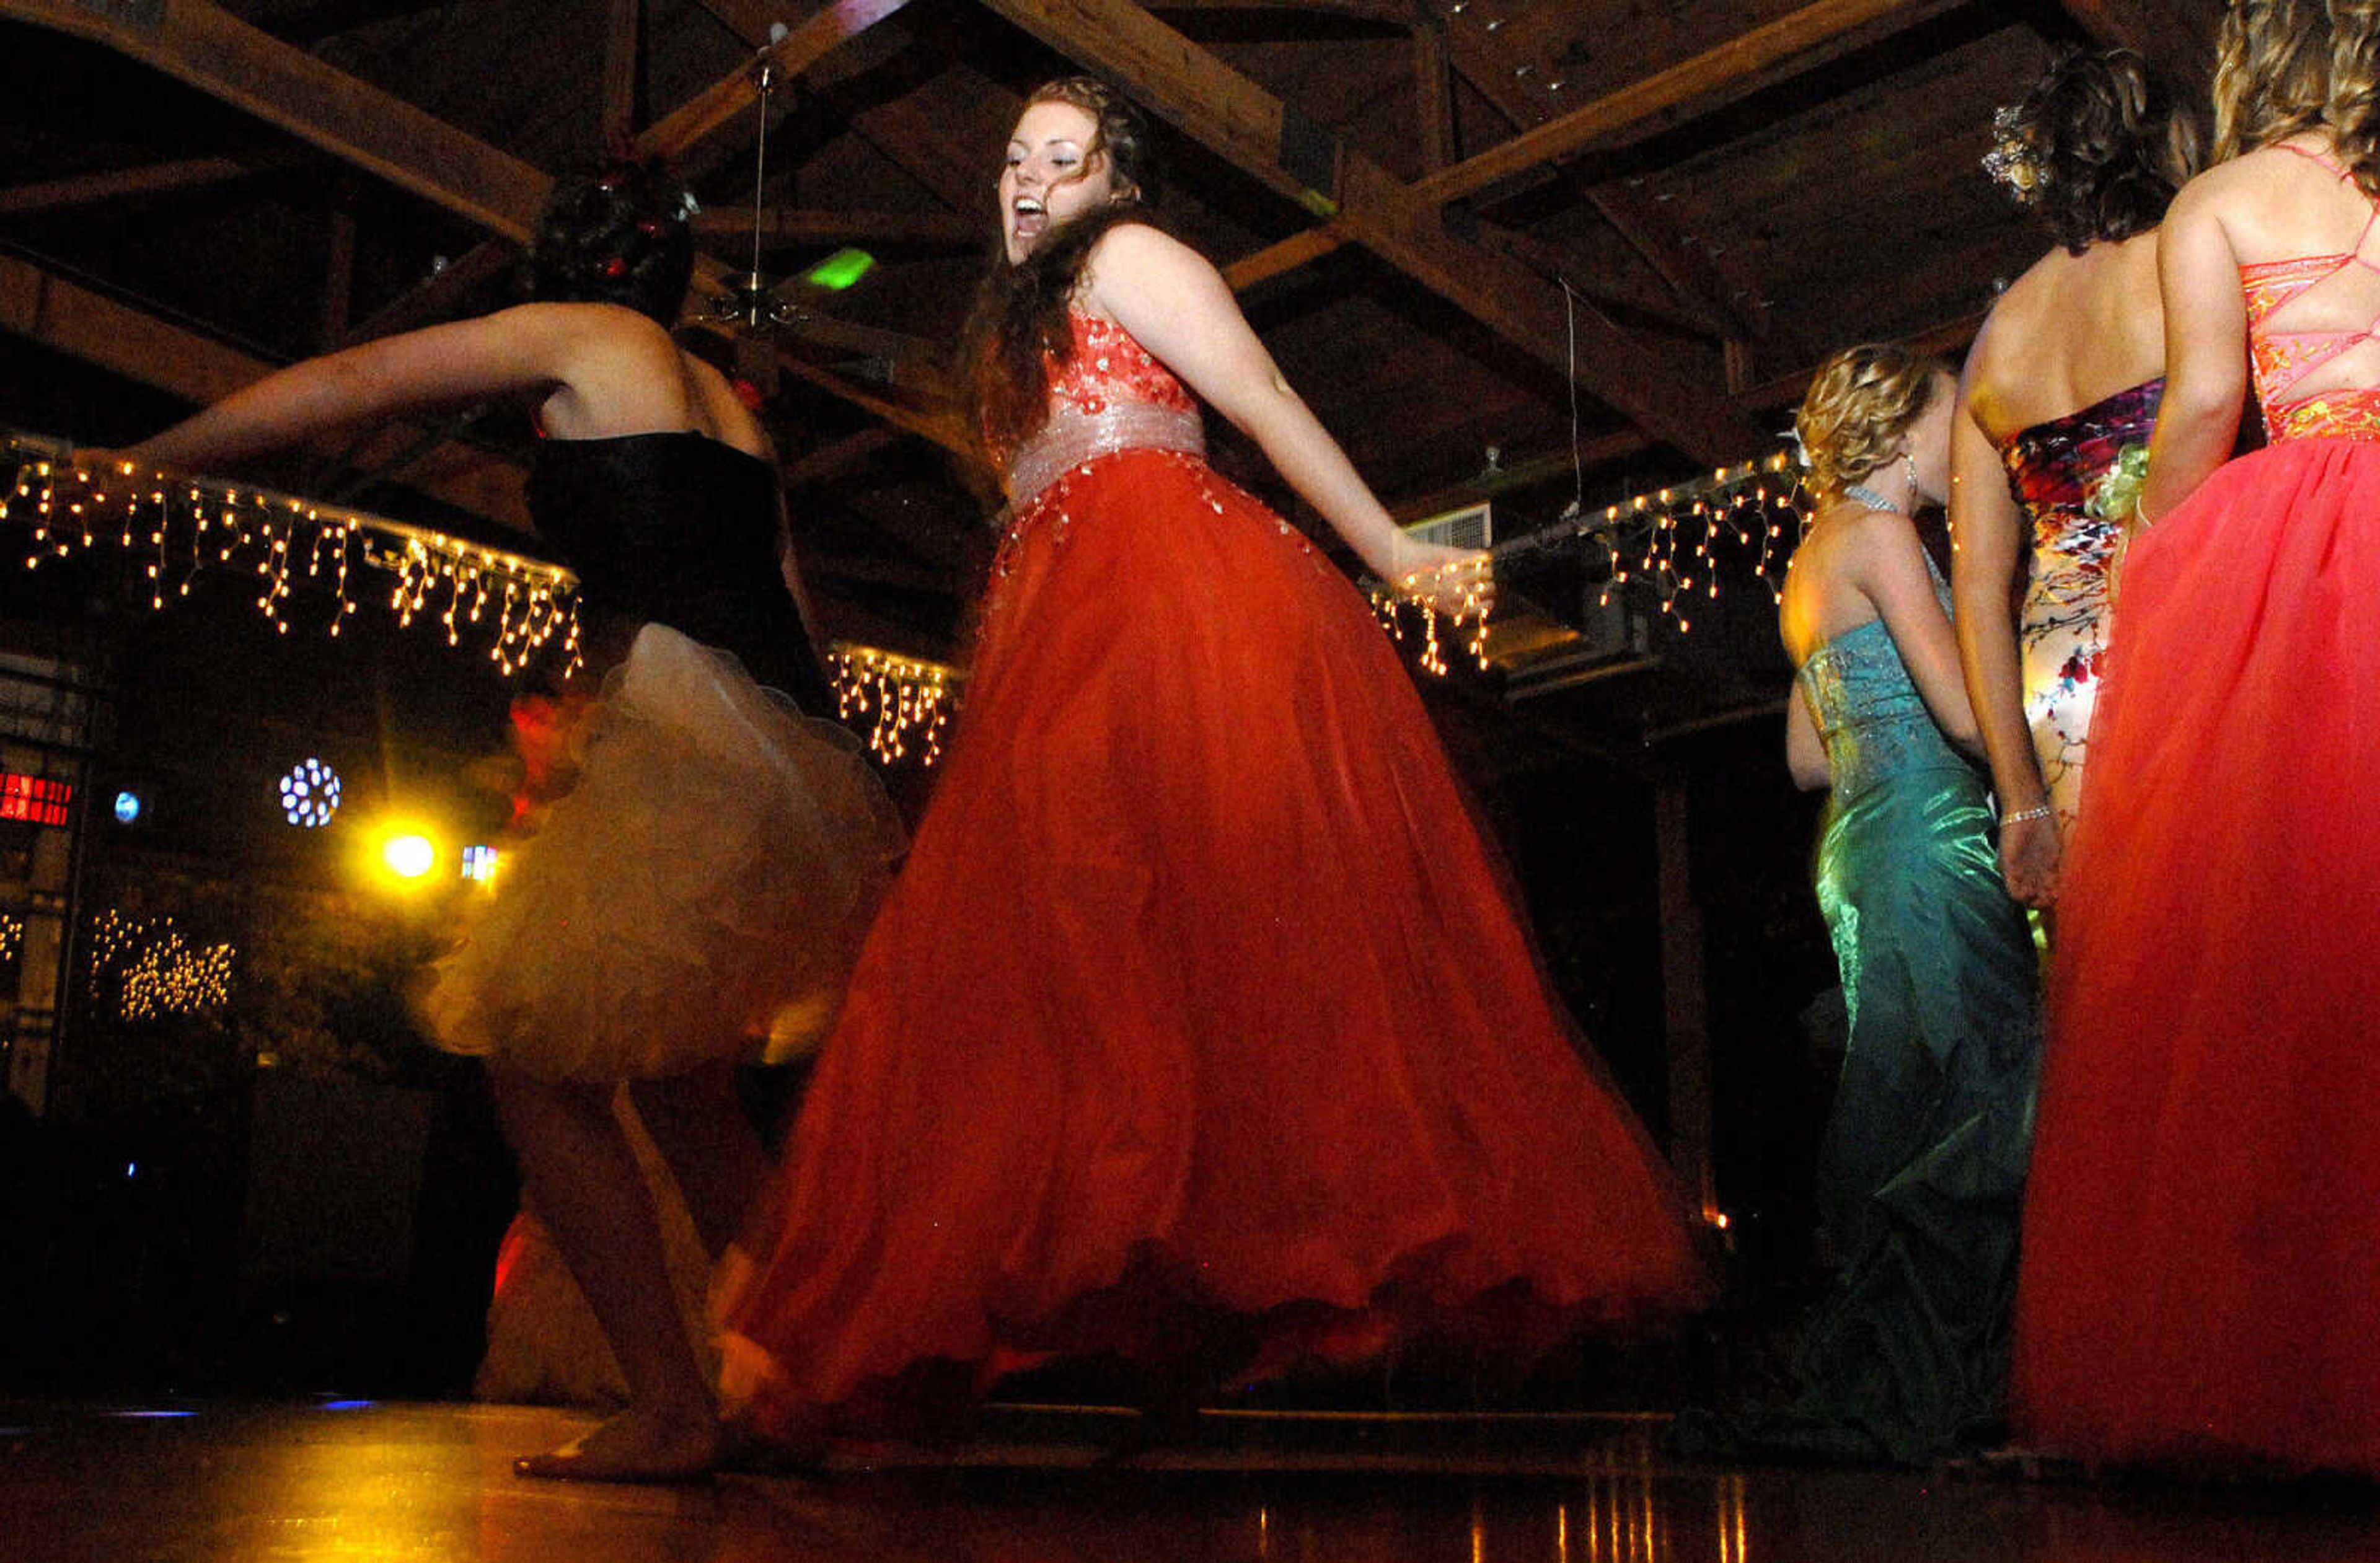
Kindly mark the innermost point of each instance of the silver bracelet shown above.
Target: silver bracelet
(2018, 816)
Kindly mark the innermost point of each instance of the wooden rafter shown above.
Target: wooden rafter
(1235, 117)
(438, 295)
(624, 36)
(710, 110)
(788, 225)
(2176, 37)
(204, 46)
(1492, 70)
(1433, 99)
(1742, 65)
(213, 51)
(63, 316)
(1793, 43)
(1387, 13)
(836, 456)
(116, 184)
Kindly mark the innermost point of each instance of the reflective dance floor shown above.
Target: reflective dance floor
(338, 1480)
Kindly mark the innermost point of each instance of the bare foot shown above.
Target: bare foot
(635, 1446)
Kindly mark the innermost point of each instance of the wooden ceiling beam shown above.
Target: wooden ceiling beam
(1387, 13)
(1274, 259)
(1235, 117)
(832, 458)
(213, 51)
(116, 184)
(705, 114)
(1950, 340)
(1527, 473)
(1492, 71)
(69, 319)
(624, 39)
(2176, 37)
(1742, 65)
(204, 46)
(437, 296)
(790, 225)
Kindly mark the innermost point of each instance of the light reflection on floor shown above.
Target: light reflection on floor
(343, 1481)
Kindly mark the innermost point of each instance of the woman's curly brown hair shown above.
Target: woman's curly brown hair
(1018, 327)
(1861, 402)
(2095, 150)
(2287, 66)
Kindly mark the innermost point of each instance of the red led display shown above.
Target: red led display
(37, 799)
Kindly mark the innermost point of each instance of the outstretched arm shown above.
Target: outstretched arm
(2206, 350)
(1985, 530)
(529, 348)
(1176, 305)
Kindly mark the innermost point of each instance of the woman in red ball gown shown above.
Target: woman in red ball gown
(1199, 1014)
(2203, 1226)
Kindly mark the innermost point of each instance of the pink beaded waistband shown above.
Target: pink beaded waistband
(1071, 437)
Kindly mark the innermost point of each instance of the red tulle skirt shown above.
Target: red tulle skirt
(2201, 1240)
(1198, 997)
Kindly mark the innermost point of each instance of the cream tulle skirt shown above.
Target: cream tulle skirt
(699, 894)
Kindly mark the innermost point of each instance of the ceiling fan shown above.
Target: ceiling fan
(753, 306)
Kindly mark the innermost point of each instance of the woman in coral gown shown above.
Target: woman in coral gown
(1200, 1027)
(2202, 1237)
(2055, 407)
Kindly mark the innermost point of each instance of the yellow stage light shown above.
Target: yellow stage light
(411, 855)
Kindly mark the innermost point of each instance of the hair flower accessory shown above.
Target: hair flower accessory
(2012, 160)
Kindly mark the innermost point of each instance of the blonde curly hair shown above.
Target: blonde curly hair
(2287, 66)
(1861, 401)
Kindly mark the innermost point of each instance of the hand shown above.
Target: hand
(1457, 582)
(2029, 850)
(104, 466)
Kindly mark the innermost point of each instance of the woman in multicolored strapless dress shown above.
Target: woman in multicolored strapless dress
(1200, 1029)
(2060, 388)
(2202, 1237)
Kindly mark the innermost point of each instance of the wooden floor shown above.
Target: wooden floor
(396, 1482)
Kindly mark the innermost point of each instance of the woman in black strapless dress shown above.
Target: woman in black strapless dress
(698, 892)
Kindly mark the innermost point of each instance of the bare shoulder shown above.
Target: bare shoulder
(1879, 545)
(1135, 257)
(1136, 242)
(2247, 189)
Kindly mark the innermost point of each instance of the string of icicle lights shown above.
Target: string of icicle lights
(1661, 541)
(177, 528)
(905, 702)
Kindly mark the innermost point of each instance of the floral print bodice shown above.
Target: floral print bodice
(2059, 472)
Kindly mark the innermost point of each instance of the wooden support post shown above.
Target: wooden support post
(623, 58)
(1685, 1004)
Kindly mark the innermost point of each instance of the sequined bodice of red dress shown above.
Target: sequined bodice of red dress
(2282, 356)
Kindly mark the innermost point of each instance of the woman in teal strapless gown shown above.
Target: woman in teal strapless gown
(1922, 1169)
